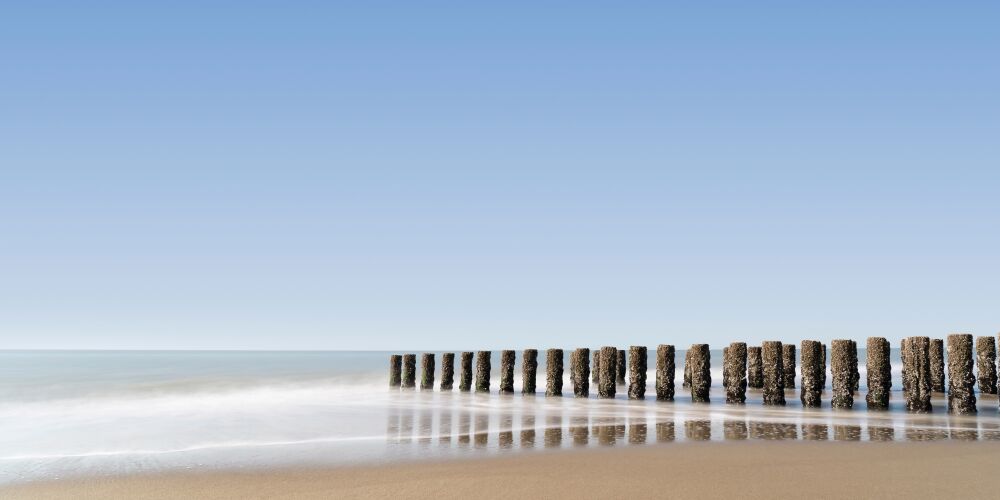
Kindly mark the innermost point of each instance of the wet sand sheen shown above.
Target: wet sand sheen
(733, 470)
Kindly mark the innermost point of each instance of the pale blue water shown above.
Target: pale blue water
(83, 412)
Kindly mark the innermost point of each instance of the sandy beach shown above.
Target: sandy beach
(714, 470)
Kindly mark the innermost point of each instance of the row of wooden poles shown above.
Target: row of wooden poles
(770, 367)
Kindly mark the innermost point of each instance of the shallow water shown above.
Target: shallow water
(80, 413)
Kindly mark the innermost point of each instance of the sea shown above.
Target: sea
(66, 414)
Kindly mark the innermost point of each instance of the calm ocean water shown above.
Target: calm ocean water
(69, 413)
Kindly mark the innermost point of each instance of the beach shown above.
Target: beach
(683, 470)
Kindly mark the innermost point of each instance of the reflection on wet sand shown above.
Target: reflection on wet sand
(698, 430)
(553, 431)
(527, 431)
(579, 430)
(453, 427)
(481, 438)
(734, 430)
(847, 433)
(815, 432)
(877, 433)
(665, 431)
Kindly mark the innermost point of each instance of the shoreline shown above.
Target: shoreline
(762, 469)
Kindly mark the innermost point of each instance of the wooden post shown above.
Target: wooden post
(903, 352)
(755, 370)
(595, 372)
(986, 364)
(811, 393)
(879, 373)
(395, 370)
(736, 373)
(637, 372)
(774, 373)
(447, 371)
(409, 371)
(606, 379)
(580, 366)
(701, 373)
(427, 371)
(620, 364)
(529, 370)
(665, 372)
(822, 362)
(918, 374)
(788, 364)
(553, 372)
(961, 397)
(507, 358)
(687, 370)
(465, 373)
(937, 365)
(483, 366)
(855, 372)
(843, 396)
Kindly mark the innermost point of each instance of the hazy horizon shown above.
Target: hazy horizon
(445, 175)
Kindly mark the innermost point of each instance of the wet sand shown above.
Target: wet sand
(681, 470)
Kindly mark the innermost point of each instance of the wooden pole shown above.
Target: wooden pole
(961, 397)
(701, 373)
(529, 370)
(606, 380)
(483, 366)
(665, 372)
(637, 372)
(507, 359)
(755, 370)
(774, 373)
(811, 392)
(553, 372)
(427, 371)
(447, 371)
(409, 371)
(918, 373)
(465, 373)
(736, 373)
(395, 370)
(879, 373)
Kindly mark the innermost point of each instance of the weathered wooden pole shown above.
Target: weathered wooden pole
(755, 368)
(687, 370)
(595, 370)
(918, 374)
(483, 371)
(788, 364)
(447, 371)
(606, 379)
(701, 373)
(855, 372)
(736, 373)
(879, 370)
(840, 367)
(395, 370)
(665, 372)
(937, 365)
(822, 362)
(811, 392)
(580, 366)
(529, 370)
(409, 371)
(961, 397)
(465, 372)
(620, 365)
(427, 371)
(986, 364)
(507, 360)
(553, 372)
(903, 353)
(774, 373)
(637, 372)
(725, 367)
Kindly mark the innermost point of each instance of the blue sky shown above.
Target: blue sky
(395, 175)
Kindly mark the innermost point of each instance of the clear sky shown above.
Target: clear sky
(430, 175)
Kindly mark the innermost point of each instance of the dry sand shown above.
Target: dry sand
(683, 470)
